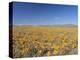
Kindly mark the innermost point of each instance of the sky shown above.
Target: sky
(44, 14)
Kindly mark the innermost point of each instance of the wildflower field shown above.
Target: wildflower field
(38, 41)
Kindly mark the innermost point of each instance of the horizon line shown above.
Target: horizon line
(44, 24)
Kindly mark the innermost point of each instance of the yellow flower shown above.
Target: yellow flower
(65, 43)
(40, 51)
(57, 47)
(55, 52)
(48, 53)
(73, 46)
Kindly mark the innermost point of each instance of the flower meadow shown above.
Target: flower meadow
(38, 41)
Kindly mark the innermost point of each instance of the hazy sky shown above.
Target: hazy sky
(44, 14)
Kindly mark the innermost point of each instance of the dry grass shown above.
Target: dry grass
(36, 41)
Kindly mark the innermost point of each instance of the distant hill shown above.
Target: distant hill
(64, 25)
